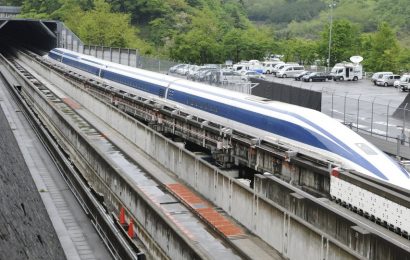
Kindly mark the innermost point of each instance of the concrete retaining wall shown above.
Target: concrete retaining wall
(26, 231)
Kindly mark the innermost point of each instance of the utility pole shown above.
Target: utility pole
(332, 5)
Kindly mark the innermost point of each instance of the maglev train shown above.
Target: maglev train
(305, 130)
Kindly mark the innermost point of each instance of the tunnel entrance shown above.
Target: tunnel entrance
(37, 35)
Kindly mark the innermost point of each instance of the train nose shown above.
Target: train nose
(400, 177)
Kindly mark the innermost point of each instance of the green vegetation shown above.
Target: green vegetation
(212, 31)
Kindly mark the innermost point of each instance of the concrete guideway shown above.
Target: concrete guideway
(190, 227)
(77, 236)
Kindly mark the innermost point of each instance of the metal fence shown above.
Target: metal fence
(388, 121)
(125, 56)
(9, 11)
(155, 64)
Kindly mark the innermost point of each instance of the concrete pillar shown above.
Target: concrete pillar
(360, 240)
(129, 58)
(119, 55)
(136, 58)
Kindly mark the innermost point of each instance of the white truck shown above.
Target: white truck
(348, 70)
(253, 65)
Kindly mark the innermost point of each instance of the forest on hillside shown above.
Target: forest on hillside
(212, 31)
(304, 17)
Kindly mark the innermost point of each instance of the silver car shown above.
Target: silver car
(247, 75)
(378, 75)
(387, 80)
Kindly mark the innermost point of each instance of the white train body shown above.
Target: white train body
(305, 130)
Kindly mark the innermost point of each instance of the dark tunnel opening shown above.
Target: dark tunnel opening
(36, 35)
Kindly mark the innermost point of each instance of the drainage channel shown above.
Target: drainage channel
(207, 240)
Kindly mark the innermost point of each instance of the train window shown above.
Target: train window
(365, 148)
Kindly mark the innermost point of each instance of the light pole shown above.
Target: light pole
(330, 32)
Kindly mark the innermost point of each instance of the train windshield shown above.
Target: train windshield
(365, 148)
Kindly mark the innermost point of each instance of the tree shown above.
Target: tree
(345, 42)
(404, 60)
(200, 44)
(384, 52)
(39, 9)
(11, 2)
(299, 50)
(247, 44)
(100, 26)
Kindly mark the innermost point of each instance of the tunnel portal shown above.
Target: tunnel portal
(38, 35)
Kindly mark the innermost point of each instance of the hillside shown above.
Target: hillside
(305, 18)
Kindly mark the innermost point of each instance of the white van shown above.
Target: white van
(379, 75)
(387, 80)
(290, 71)
(278, 67)
(243, 66)
(269, 65)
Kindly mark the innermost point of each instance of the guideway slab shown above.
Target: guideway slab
(252, 246)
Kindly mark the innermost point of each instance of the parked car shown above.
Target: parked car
(173, 69)
(280, 67)
(405, 82)
(227, 75)
(267, 66)
(247, 75)
(196, 74)
(402, 78)
(277, 68)
(387, 80)
(290, 71)
(379, 75)
(204, 74)
(182, 70)
(212, 66)
(191, 71)
(300, 75)
(315, 76)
